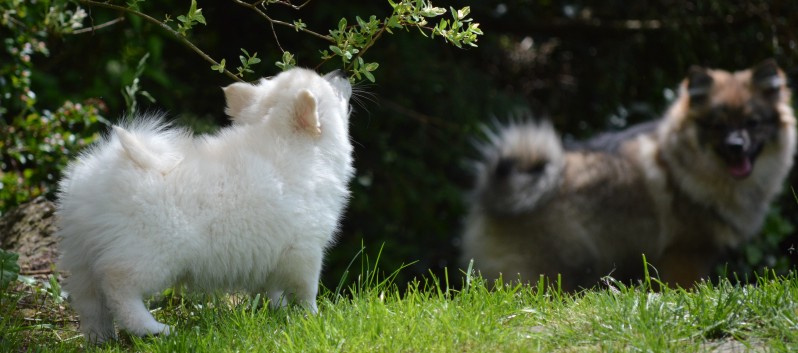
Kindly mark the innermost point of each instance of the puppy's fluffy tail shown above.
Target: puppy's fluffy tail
(521, 167)
(151, 145)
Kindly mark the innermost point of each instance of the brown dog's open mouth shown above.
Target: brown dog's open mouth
(740, 167)
(739, 152)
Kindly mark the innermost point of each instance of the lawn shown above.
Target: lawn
(374, 315)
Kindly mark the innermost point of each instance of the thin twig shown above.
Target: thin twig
(284, 3)
(287, 3)
(36, 272)
(165, 27)
(254, 7)
(100, 26)
(276, 39)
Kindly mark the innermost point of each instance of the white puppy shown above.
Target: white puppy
(252, 207)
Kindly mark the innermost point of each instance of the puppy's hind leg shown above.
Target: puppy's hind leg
(125, 301)
(276, 299)
(96, 321)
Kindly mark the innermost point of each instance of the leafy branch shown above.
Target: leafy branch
(130, 92)
(259, 7)
(348, 42)
(181, 37)
(352, 42)
(190, 19)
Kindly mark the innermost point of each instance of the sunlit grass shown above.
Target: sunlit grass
(429, 315)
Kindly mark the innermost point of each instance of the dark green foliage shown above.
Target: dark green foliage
(9, 269)
(36, 142)
(36, 147)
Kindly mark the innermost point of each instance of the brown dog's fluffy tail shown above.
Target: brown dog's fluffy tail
(521, 165)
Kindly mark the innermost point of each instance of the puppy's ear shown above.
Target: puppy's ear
(305, 115)
(767, 79)
(699, 83)
(238, 96)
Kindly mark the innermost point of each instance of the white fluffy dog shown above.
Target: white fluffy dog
(252, 207)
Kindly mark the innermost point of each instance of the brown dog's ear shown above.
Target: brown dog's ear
(306, 117)
(767, 79)
(699, 83)
(238, 96)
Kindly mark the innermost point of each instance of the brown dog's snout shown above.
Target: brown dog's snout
(738, 141)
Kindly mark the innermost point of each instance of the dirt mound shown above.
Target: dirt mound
(29, 230)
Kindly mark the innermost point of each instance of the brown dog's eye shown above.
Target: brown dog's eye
(710, 125)
(752, 123)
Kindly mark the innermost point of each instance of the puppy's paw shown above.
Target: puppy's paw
(155, 330)
(165, 331)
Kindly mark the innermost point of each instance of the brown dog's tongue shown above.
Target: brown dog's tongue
(741, 169)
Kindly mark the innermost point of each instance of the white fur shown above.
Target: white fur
(253, 207)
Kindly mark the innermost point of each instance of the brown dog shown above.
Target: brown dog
(681, 190)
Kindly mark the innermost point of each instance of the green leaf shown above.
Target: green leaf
(134, 4)
(349, 53)
(368, 75)
(287, 62)
(54, 289)
(393, 22)
(299, 25)
(219, 67)
(430, 11)
(336, 50)
(325, 54)
(9, 268)
(147, 95)
(199, 18)
(193, 17)
(462, 13)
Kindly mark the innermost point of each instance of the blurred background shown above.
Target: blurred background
(589, 66)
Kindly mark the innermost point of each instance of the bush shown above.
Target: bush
(35, 145)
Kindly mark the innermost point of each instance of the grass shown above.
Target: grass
(376, 316)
